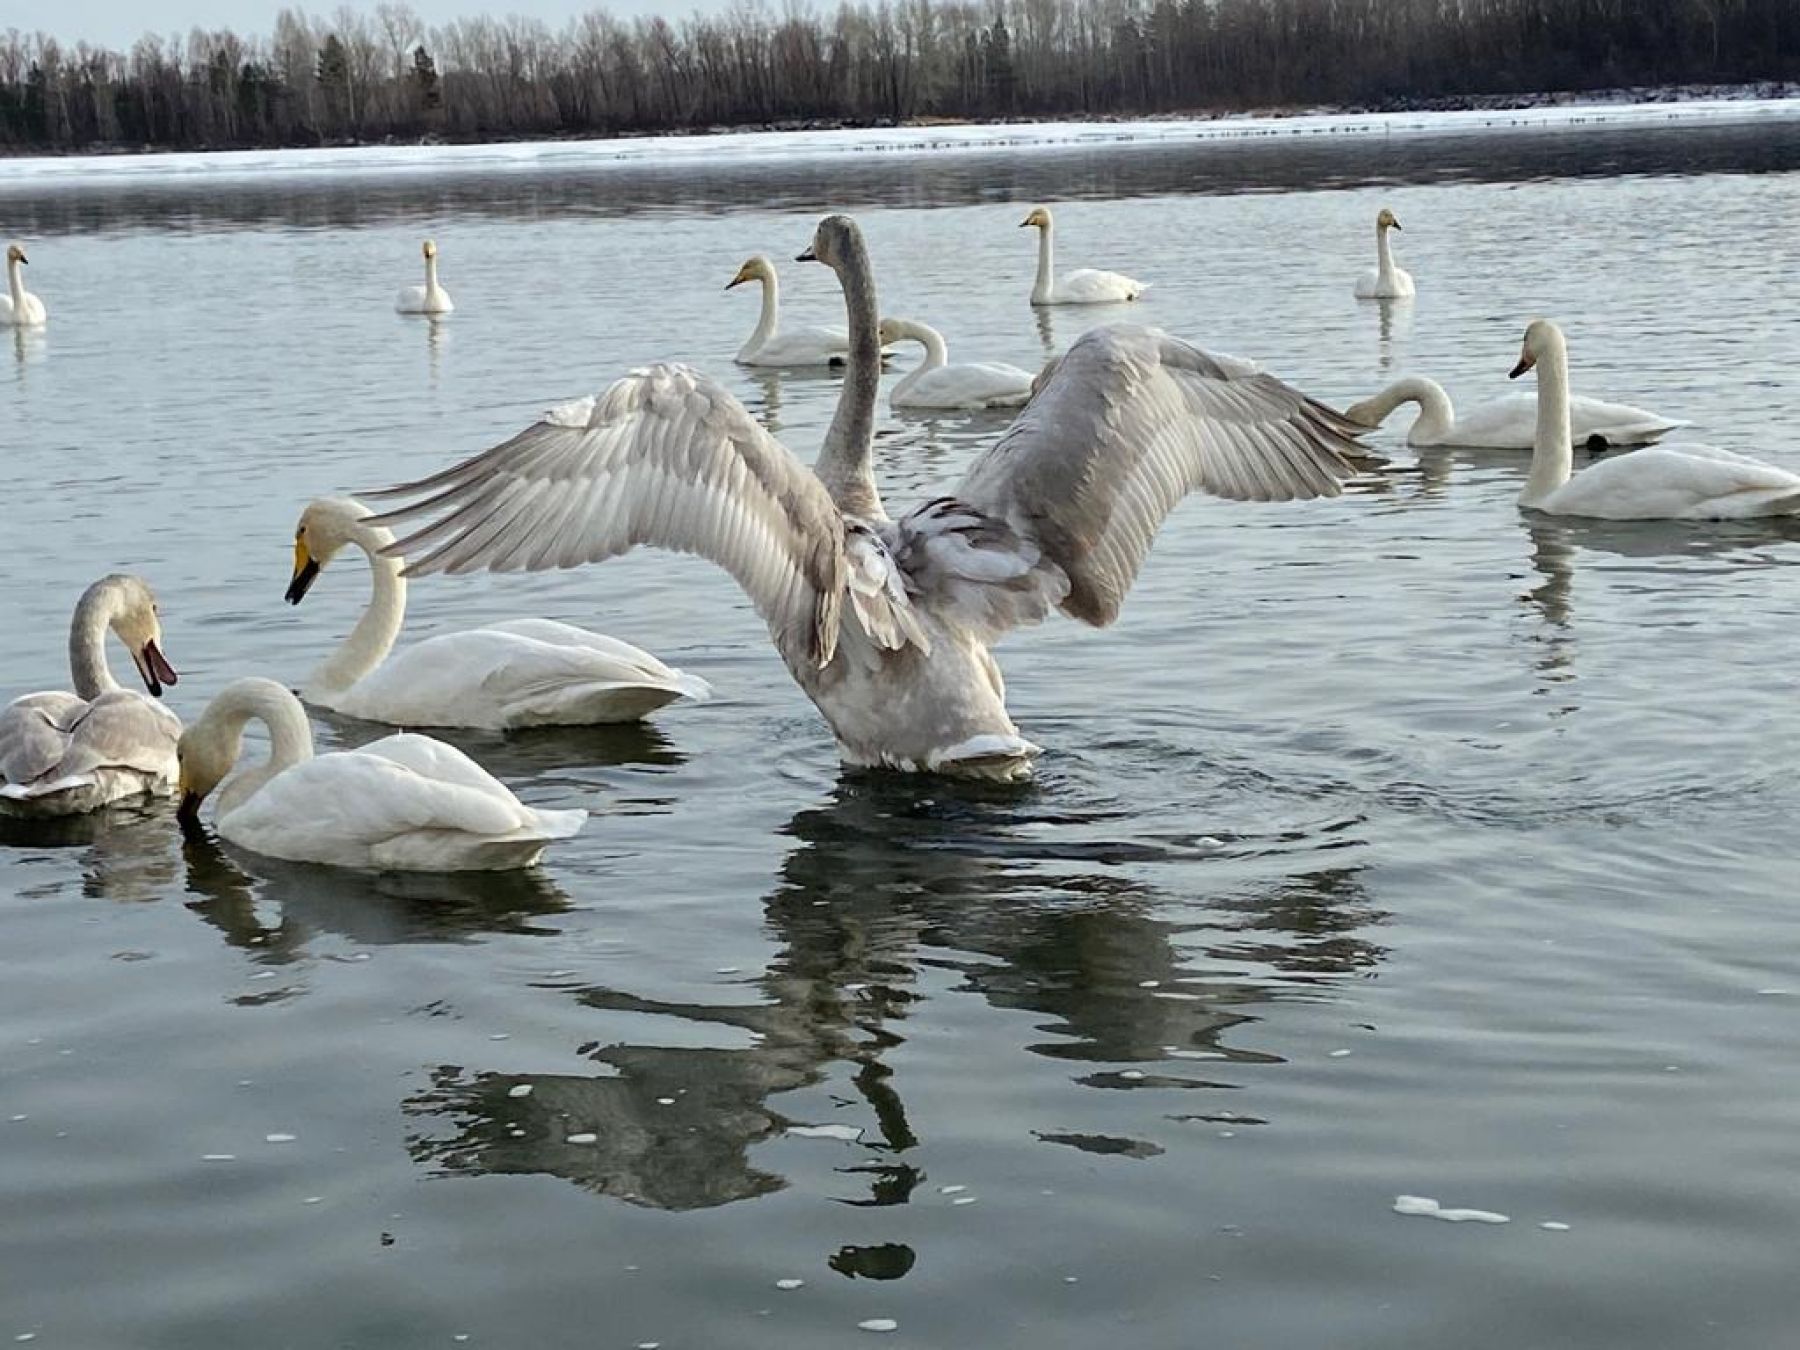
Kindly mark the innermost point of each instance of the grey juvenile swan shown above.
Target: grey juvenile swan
(886, 624)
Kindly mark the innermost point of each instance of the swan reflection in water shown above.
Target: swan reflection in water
(883, 881)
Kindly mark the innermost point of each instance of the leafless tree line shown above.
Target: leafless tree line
(361, 76)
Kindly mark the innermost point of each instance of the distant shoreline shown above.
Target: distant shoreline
(1775, 90)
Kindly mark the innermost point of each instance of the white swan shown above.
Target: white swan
(1660, 482)
(933, 384)
(430, 298)
(1508, 423)
(522, 673)
(1083, 286)
(887, 624)
(1386, 280)
(65, 754)
(404, 803)
(768, 345)
(19, 308)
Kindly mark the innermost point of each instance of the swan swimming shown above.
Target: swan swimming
(1083, 286)
(66, 754)
(887, 624)
(19, 308)
(521, 673)
(934, 384)
(1386, 280)
(1659, 482)
(430, 298)
(404, 803)
(1508, 423)
(768, 345)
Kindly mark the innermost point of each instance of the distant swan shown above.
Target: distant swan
(767, 345)
(1083, 286)
(521, 673)
(401, 804)
(1506, 423)
(430, 298)
(933, 384)
(1386, 280)
(1660, 482)
(19, 308)
(887, 624)
(65, 754)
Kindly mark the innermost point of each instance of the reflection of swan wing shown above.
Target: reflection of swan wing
(52, 742)
(1128, 424)
(664, 457)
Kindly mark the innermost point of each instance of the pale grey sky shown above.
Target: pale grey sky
(119, 23)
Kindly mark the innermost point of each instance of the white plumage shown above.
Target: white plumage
(430, 298)
(934, 383)
(19, 308)
(1387, 280)
(1506, 423)
(1083, 286)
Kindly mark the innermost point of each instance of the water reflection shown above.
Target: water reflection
(1045, 318)
(1029, 909)
(128, 856)
(1396, 318)
(437, 335)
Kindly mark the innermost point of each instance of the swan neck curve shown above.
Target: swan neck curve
(431, 281)
(1552, 451)
(15, 284)
(373, 637)
(769, 321)
(290, 736)
(936, 354)
(87, 642)
(1046, 273)
(843, 464)
(1436, 416)
(1384, 256)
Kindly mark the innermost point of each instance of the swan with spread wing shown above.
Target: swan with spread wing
(887, 624)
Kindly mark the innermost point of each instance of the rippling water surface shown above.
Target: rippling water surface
(1400, 844)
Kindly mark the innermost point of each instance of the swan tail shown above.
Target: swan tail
(600, 701)
(41, 788)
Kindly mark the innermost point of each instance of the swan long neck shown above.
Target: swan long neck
(1046, 273)
(1436, 415)
(844, 460)
(936, 353)
(1552, 451)
(1384, 254)
(290, 736)
(15, 284)
(769, 322)
(431, 281)
(373, 637)
(87, 642)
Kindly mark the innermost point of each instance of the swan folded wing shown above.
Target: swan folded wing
(665, 457)
(34, 734)
(119, 730)
(1130, 421)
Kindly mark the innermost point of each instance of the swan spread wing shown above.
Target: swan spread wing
(1129, 422)
(664, 457)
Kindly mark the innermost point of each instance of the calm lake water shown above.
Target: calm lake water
(1400, 844)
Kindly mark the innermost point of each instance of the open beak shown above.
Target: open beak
(155, 668)
(306, 571)
(1526, 362)
(188, 812)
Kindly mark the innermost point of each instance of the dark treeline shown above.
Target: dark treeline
(361, 76)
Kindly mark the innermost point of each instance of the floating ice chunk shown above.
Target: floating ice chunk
(1426, 1208)
(848, 1133)
(964, 1200)
(519, 1090)
(789, 1284)
(665, 1101)
(1132, 1075)
(499, 1036)
(16, 1119)
(957, 1189)
(218, 1157)
(726, 970)
(1339, 1054)
(279, 1138)
(1148, 984)
(878, 1324)
(583, 1138)
(312, 1200)
(1552, 1226)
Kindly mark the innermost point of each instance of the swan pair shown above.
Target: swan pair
(19, 308)
(1663, 482)
(430, 298)
(1508, 423)
(1387, 280)
(887, 624)
(1083, 286)
(936, 384)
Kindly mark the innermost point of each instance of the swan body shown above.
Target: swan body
(1661, 482)
(935, 384)
(405, 803)
(64, 754)
(19, 308)
(1387, 280)
(430, 298)
(521, 673)
(1507, 423)
(1083, 286)
(888, 624)
(768, 345)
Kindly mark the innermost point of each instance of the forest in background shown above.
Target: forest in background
(381, 74)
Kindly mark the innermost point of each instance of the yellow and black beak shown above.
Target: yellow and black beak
(155, 668)
(306, 571)
(1526, 362)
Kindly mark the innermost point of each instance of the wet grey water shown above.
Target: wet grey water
(1398, 844)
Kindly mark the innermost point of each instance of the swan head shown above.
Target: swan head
(326, 525)
(15, 254)
(1038, 219)
(133, 616)
(834, 242)
(891, 331)
(1387, 220)
(1542, 339)
(206, 752)
(429, 249)
(758, 268)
